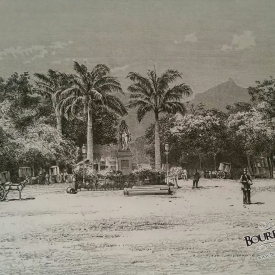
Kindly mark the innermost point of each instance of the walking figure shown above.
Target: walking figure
(184, 174)
(246, 182)
(173, 175)
(196, 178)
(47, 179)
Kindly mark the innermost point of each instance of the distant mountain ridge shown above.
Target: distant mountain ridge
(218, 97)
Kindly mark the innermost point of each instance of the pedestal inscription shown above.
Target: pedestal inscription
(124, 160)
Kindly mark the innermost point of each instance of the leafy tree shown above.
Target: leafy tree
(153, 94)
(89, 91)
(195, 109)
(8, 154)
(18, 95)
(253, 134)
(264, 93)
(105, 125)
(43, 142)
(239, 107)
(2, 89)
(202, 135)
(51, 86)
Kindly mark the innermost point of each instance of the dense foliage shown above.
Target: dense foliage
(43, 122)
(33, 129)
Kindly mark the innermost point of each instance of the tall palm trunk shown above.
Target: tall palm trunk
(157, 144)
(57, 115)
(58, 121)
(58, 124)
(270, 165)
(90, 144)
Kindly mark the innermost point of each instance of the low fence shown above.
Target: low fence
(119, 182)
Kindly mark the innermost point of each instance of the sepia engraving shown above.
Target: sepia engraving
(137, 137)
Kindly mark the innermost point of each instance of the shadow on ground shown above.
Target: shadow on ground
(25, 199)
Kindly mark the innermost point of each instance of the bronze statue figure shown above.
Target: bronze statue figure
(124, 136)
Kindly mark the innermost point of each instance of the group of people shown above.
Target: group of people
(45, 178)
(245, 180)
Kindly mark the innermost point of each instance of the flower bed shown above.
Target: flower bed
(116, 180)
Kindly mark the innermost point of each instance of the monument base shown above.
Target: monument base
(125, 161)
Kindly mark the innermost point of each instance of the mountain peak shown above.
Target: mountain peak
(221, 95)
(231, 80)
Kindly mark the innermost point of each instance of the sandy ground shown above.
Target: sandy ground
(199, 231)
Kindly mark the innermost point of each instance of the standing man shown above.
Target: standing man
(246, 182)
(47, 179)
(196, 178)
(184, 174)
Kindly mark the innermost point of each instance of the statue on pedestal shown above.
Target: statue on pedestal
(124, 136)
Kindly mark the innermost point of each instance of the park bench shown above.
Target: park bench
(148, 190)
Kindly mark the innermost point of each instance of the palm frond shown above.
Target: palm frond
(168, 77)
(106, 79)
(177, 92)
(70, 91)
(108, 83)
(95, 95)
(99, 71)
(75, 103)
(80, 69)
(68, 114)
(108, 88)
(140, 88)
(42, 78)
(153, 79)
(78, 84)
(66, 102)
(142, 111)
(173, 108)
(65, 79)
(44, 88)
(141, 96)
(145, 82)
(54, 77)
(139, 102)
(114, 104)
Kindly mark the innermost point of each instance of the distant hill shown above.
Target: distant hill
(218, 97)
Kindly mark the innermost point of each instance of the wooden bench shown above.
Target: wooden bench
(147, 190)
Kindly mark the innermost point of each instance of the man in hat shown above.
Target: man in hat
(246, 182)
(196, 178)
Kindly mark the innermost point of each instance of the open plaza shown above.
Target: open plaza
(192, 231)
(137, 137)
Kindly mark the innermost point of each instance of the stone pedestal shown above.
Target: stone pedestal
(125, 161)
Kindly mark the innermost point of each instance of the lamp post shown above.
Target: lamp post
(166, 147)
(84, 151)
(77, 153)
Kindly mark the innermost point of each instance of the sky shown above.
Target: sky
(207, 41)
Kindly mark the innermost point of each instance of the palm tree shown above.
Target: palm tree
(153, 94)
(90, 91)
(52, 85)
